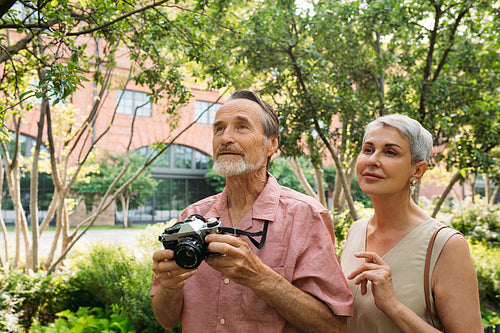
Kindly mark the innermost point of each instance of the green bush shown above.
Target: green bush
(104, 276)
(26, 297)
(478, 222)
(487, 263)
(87, 320)
(342, 222)
(9, 311)
(148, 239)
(489, 317)
(108, 275)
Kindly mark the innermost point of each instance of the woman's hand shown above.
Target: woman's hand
(379, 274)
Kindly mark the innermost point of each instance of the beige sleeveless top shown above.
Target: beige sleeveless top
(407, 260)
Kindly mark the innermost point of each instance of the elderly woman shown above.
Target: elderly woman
(384, 255)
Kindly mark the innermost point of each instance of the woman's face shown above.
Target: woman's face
(384, 164)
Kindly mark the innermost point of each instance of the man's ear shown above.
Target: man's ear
(419, 169)
(272, 146)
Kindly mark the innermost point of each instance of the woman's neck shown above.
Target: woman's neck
(396, 213)
(392, 220)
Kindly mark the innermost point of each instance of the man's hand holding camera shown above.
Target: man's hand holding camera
(189, 242)
(168, 273)
(236, 260)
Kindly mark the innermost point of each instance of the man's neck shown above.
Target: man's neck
(242, 192)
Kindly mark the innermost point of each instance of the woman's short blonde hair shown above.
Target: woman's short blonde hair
(420, 139)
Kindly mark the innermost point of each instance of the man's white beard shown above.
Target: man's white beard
(227, 167)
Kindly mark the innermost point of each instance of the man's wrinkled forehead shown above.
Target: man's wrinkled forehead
(240, 107)
(244, 102)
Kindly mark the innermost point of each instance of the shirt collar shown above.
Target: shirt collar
(265, 206)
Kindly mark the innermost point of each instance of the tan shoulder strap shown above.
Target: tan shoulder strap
(426, 272)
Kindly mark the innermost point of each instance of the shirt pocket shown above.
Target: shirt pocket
(274, 253)
(256, 309)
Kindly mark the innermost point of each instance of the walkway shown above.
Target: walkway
(126, 237)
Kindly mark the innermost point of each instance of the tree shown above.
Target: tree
(92, 187)
(315, 69)
(333, 67)
(50, 50)
(447, 78)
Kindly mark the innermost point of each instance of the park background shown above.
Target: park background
(106, 113)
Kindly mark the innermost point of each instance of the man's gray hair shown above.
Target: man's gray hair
(270, 122)
(420, 139)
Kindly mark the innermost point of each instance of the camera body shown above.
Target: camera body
(187, 239)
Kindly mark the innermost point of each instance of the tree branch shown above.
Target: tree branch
(454, 179)
(118, 19)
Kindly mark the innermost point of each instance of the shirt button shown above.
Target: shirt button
(222, 321)
(226, 281)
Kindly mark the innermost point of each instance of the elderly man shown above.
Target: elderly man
(294, 283)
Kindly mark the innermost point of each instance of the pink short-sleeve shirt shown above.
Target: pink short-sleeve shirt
(299, 246)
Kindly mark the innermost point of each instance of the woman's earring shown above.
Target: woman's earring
(413, 184)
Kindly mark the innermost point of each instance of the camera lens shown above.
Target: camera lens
(189, 253)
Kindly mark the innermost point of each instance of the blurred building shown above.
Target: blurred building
(179, 171)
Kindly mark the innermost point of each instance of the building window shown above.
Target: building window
(170, 198)
(180, 157)
(27, 144)
(131, 100)
(180, 174)
(201, 161)
(208, 116)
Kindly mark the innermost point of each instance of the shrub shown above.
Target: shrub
(31, 296)
(9, 312)
(108, 275)
(487, 263)
(148, 239)
(342, 222)
(87, 320)
(478, 222)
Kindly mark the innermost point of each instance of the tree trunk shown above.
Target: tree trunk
(318, 174)
(13, 175)
(494, 195)
(299, 173)
(380, 80)
(3, 262)
(473, 188)
(62, 231)
(340, 173)
(487, 188)
(34, 188)
(125, 201)
(21, 222)
(339, 196)
(50, 212)
(447, 191)
(50, 256)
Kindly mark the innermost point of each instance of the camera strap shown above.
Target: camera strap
(250, 235)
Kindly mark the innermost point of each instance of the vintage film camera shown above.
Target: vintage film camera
(187, 239)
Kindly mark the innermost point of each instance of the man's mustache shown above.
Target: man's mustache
(228, 149)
